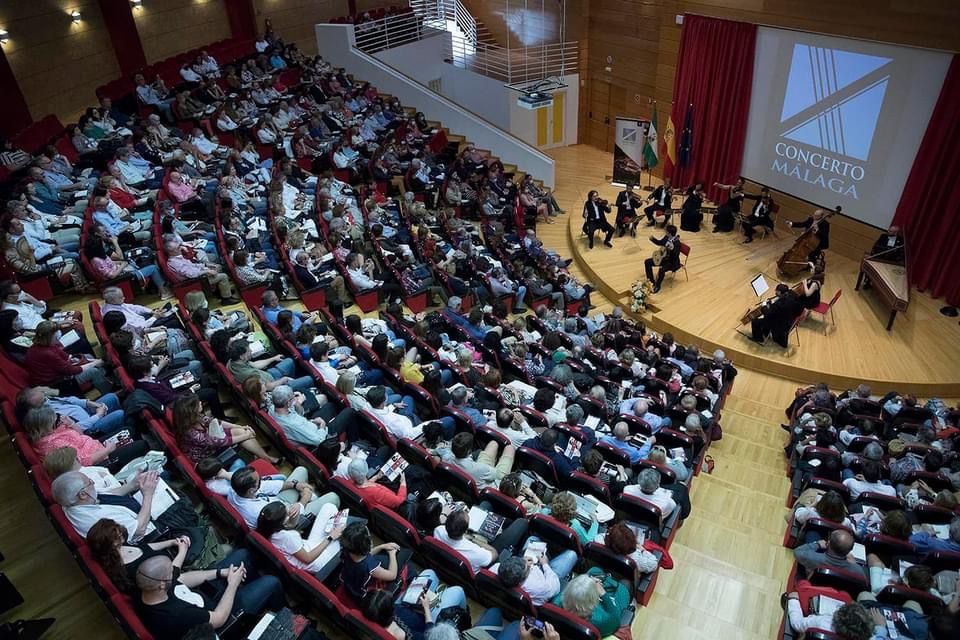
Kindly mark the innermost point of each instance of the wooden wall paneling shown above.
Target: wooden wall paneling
(169, 27)
(293, 20)
(57, 62)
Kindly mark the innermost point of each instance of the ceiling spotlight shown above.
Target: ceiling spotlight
(4, 36)
(75, 14)
(136, 4)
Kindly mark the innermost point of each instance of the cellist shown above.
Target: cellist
(821, 229)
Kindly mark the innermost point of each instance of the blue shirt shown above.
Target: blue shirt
(927, 543)
(73, 408)
(636, 455)
(113, 225)
(271, 313)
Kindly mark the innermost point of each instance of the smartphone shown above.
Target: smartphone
(536, 627)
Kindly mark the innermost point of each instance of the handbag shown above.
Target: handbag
(151, 461)
(708, 464)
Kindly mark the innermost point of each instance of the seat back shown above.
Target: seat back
(460, 485)
(639, 511)
(536, 462)
(450, 565)
(580, 482)
(835, 297)
(514, 602)
(503, 504)
(556, 534)
(569, 626)
(840, 579)
(620, 567)
(391, 526)
(359, 627)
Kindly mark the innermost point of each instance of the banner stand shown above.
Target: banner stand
(629, 138)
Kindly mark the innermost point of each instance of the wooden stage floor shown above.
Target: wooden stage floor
(920, 355)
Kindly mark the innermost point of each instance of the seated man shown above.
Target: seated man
(271, 309)
(478, 552)
(169, 609)
(648, 488)
(459, 398)
(547, 443)
(486, 470)
(84, 506)
(137, 316)
(868, 481)
(272, 372)
(399, 425)
(540, 578)
(95, 419)
(925, 541)
(619, 439)
(249, 495)
(306, 431)
(117, 225)
(184, 269)
(640, 407)
(834, 552)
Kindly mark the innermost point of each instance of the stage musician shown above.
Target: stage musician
(889, 246)
(821, 228)
(670, 261)
(595, 212)
(627, 204)
(661, 197)
(777, 317)
(726, 216)
(690, 216)
(759, 215)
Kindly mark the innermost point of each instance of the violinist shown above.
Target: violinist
(627, 205)
(821, 229)
(667, 257)
(595, 211)
(777, 317)
(760, 215)
(690, 215)
(729, 211)
(662, 198)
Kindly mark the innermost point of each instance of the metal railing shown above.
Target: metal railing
(522, 64)
(432, 17)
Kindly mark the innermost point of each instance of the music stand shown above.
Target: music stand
(759, 285)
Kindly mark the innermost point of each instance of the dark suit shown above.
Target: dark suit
(670, 262)
(595, 217)
(759, 216)
(305, 276)
(777, 319)
(662, 198)
(890, 248)
(822, 233)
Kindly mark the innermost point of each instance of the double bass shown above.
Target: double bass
(795, 259)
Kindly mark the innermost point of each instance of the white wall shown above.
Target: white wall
(335, 44)
(423, 61)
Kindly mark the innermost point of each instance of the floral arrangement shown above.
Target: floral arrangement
(641, 290)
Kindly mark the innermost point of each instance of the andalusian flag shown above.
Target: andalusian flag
(670, 140)
(651, 144)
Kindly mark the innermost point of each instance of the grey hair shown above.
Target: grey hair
(873, 451)
(358, 471)
(640, 407)
(282, 395)
(562, 374)
(621, 431)
(513, 571)
(863, 390)
(597, 392)
(442, 631)
(692, 422)
(459, 396)
(570, 325)
(719, 354)
(66, 487)
(113, 293)
(580, 597)
(649, 480)
(574, 413)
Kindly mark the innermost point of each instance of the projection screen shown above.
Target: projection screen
(837, 121)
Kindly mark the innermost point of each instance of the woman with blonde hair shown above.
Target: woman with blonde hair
(598, 599)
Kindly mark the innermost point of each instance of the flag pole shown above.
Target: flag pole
(649, 186)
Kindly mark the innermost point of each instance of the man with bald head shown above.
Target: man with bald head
(834, 552)
(170, 613)
(889, 246)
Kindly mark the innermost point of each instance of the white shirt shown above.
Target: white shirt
(250, 508)
(661, 497)
(189, 75)
(84, 516)
(28, 315)
(361, 280)
(399, 426)
(328, 372)
(289, 542)
(541, 583)
(477, 556)
(103, 480)
(857, 487)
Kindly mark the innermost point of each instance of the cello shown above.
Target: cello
(795, 259)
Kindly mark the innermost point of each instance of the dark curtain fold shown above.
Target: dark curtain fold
(243, 21)
(14, 113)
(118, 19)
(929, 207)
(715, 75)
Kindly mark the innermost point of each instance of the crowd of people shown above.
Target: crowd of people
(875, 526)
(573, 434)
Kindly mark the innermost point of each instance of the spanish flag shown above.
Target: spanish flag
(669, 138)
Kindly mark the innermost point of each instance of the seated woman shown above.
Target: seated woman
(367, 568)
(155, 339)
(145, 371)
(128, 347)
(410, 622)
(371, 491)
(828, 506)
(49, 365)
(623, 541)
(120, 560)
(597, 598)
(658, 454)
(317, 553)
(47, 433)
(200, 436)
(249, 274)
(513, 486)
(108, 262)
(563, 508)
(20, 257)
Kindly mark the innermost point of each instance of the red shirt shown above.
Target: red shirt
(122, 198)
(379, 494)
(48, 365)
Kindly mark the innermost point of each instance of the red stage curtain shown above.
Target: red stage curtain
(715, 75)
(118, 19)
(14, 113)
(243, 22)
(929, 208)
